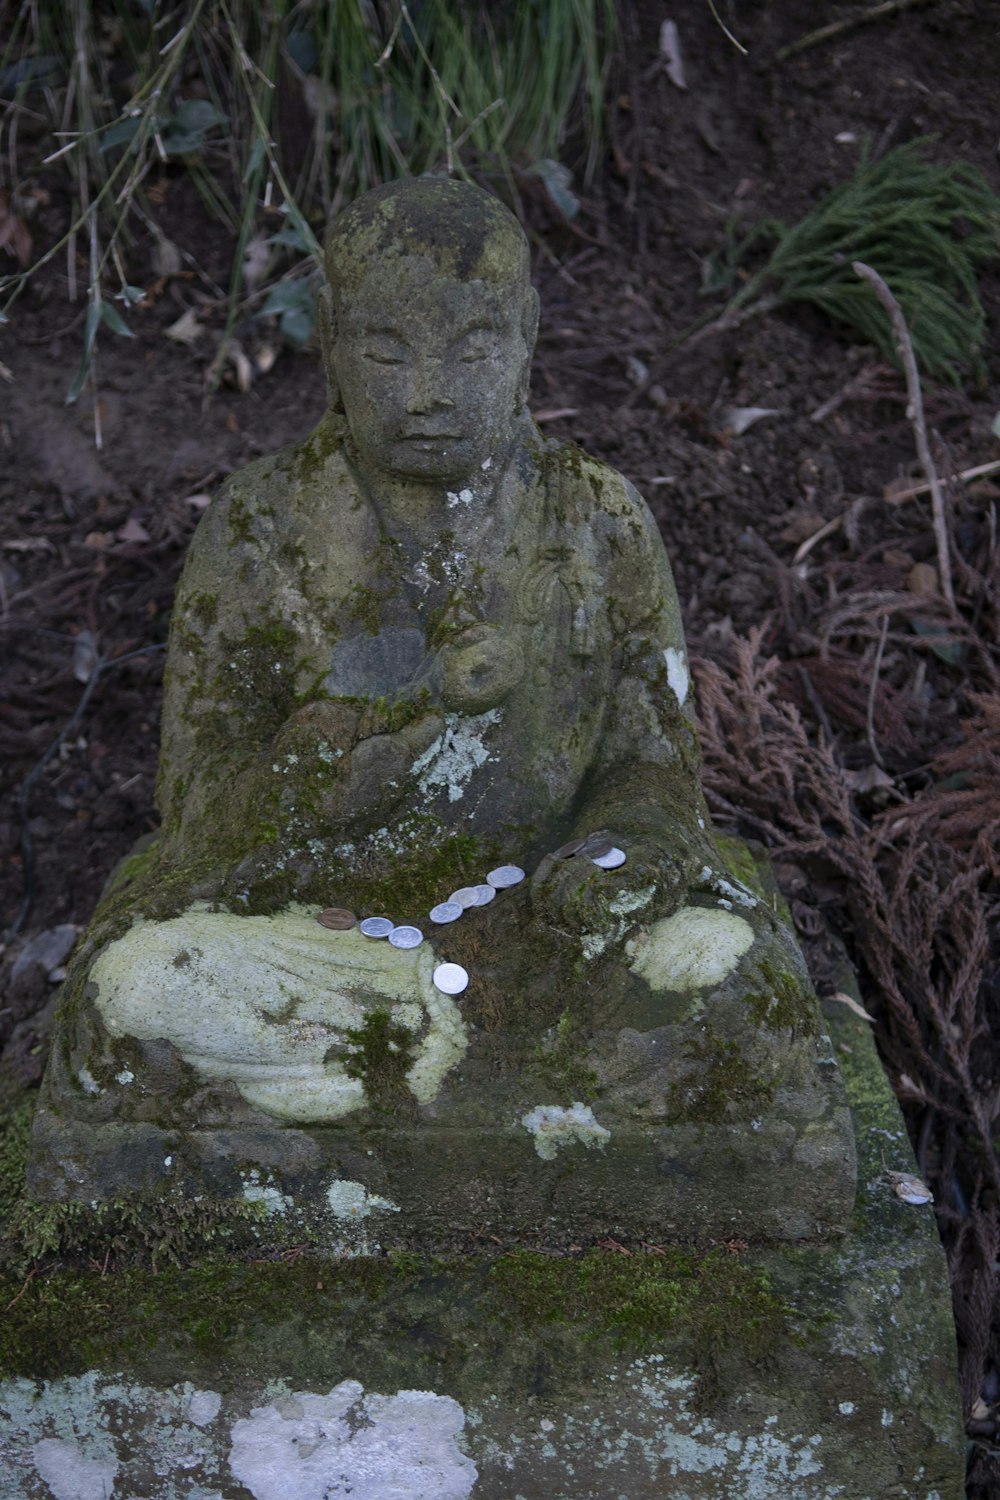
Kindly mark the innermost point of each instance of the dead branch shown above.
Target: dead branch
(840, 28)
(916, 415)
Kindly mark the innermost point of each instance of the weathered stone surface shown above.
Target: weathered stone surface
(795, 1373)
(423, 642)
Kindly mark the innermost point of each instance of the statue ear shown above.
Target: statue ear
(529, 332)
(327, 329)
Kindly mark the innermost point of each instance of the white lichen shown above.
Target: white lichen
(398, 1447)
(69, 1474)
(694, 948)
(261, 1190)
(555, 1127)
(734, 890)
(678, 677)
(352, 1200)
(629, 901)
(455, 755)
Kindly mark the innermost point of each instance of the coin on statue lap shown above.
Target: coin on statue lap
(446, 911)
(450, 979)
(406, 937)
(337, 919)
(612, 860)
(377, 927)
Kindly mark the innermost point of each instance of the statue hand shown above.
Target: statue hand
(577, 895)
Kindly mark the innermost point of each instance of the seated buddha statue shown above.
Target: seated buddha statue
(436, 909)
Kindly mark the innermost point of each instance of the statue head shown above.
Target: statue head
(428, 326)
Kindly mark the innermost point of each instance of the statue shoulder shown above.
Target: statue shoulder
(259, 502)
(591, 492)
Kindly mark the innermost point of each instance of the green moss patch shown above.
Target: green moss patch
(724, 1086)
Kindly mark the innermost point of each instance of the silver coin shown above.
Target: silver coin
(406, 937)
(465, 897)
(447, 911)
(450, 979)
(376, 927)
(504, 876)
(484, 894)
(611, 860)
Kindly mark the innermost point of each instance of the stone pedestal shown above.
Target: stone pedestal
(704, 1372)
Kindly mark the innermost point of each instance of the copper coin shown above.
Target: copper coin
(337, 918)
(568, 850)
(596, 845)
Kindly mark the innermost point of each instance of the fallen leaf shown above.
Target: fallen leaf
(84, 655)
(801, 525)
(670, 51)
(922, 579)
(166, 256)
(867, 780)
(851, 1004)
(905, 1085)
(553, 413)
(910, 1188)
(27, 544)
(739, 419)
(897, 490)
(980, 1412)
(133, 531)
(14, 232)
(197, 502)
(893, 557)
(255, 261)
(186, 330)
(241, 363)
(637, 371)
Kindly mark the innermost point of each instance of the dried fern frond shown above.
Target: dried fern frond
(962, 808)
(927, 230)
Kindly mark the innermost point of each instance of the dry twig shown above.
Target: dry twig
(848, 23)
(916, 414)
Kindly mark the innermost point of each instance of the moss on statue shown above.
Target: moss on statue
(560, 1063)
(725, 1084)
(380, 1055)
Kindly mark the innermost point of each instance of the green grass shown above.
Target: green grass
(928, 229)
(282, 112)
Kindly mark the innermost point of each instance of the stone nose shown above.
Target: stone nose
(428, 387)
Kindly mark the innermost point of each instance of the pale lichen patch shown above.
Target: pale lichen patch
(678, 677)
(455, 755)
(555, 1127)
(352, 1200)
(691, 950)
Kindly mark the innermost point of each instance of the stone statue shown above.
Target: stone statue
(423, 645)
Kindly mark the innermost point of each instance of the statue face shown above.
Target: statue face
(429, 370)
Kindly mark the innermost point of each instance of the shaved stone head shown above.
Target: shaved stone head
(465, 233)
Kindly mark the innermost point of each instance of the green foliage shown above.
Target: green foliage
(926, 229)
(384, 91)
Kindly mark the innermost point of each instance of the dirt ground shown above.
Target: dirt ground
(91, 542)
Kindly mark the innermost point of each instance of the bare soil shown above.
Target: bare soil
(92, 541)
